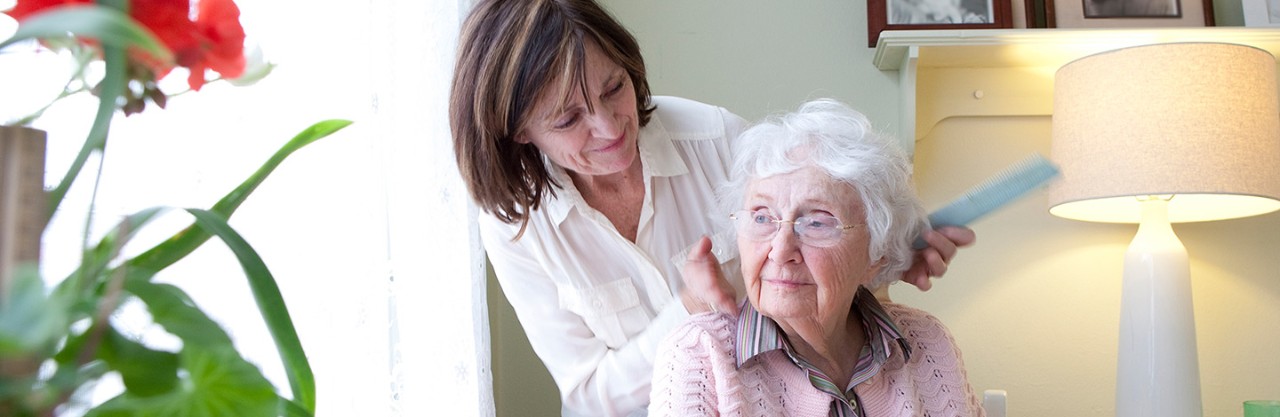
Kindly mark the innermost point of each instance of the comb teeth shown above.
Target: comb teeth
(1006, 186)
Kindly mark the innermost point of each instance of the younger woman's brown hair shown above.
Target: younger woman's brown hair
(510, 52)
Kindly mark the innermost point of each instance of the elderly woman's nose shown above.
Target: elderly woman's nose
(785, 245)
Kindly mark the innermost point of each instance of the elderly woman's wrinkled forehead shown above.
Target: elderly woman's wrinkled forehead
(816, 177)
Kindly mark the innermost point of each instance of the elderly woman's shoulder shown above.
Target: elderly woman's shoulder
(916, 323)
(703, 332)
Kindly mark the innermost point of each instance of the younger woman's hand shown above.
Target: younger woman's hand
(705, 288)
(932, 261)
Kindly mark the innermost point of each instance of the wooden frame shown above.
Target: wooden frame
(1071, 14)
(997, 15)
(1261, 13)
(22, 200)
(1028, 14)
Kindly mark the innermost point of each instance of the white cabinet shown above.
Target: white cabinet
(1009, 72)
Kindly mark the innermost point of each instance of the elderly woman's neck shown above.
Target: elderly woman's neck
(832, 346)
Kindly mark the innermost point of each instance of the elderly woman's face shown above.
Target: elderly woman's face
(589, 143)
(789, 279)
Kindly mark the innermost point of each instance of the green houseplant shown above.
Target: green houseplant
(66, 330)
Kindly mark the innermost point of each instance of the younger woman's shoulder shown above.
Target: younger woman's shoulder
(675, 104)
(690, 116)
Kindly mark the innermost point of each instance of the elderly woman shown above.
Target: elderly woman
(824, 210)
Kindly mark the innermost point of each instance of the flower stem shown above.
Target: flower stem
(112, 86)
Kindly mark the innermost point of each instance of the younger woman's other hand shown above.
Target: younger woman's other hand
(932, 261)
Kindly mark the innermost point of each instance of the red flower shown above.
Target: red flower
(221, 46)
(26, 8)
(214, 40)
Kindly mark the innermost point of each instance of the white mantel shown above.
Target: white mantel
(1009, 72)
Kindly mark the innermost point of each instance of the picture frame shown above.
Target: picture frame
(885, 15)
(1074, 14)
(1261, 13)
(1028, 14)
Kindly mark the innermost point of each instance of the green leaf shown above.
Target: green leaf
(41, 391)
(208, 378)
(94, 262)
(270, 304)
(30, 320)
(186, 241)
(266, 293)
(145, 372)
(174, 310)
(110, 27)
(289, 408)
(232, 200)
(217, 382)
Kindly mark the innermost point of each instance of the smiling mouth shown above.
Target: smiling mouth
(613, 145)
(786, 284)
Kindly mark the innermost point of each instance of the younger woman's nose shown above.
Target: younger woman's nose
(604, 123)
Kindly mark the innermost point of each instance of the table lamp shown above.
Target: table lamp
(1160, 134)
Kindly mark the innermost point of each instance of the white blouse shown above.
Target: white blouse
(594, 305)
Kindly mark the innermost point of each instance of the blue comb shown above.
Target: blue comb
(1001, 189)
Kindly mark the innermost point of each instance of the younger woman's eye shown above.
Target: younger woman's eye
(565, 121)
(615, 88)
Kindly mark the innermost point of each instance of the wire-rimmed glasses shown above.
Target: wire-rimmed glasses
(818, 230)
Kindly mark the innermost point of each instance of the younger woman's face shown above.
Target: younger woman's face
(585, 142)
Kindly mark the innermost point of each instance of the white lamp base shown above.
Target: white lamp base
(1158, 370)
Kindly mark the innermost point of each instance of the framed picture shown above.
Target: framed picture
(1028, 14)
(1261, 13)
(885, 15)
(1129, 13)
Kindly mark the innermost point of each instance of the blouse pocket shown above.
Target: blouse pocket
(604, 308)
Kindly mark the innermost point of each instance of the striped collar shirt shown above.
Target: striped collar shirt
(758, 334)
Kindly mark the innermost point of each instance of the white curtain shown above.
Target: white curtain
(369, 233)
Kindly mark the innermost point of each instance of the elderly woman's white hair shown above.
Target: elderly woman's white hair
(829, 135)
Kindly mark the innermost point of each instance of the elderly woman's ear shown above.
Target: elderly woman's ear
(705, 288)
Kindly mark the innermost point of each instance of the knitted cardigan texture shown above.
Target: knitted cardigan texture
(695, 375)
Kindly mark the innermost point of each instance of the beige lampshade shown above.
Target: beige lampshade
(1196, 121)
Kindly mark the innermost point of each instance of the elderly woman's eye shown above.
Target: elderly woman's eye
(820, 222)
(760, 218)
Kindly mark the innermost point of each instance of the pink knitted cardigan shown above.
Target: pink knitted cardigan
(695, 375)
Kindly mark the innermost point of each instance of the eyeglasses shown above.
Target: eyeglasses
(818, 230)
